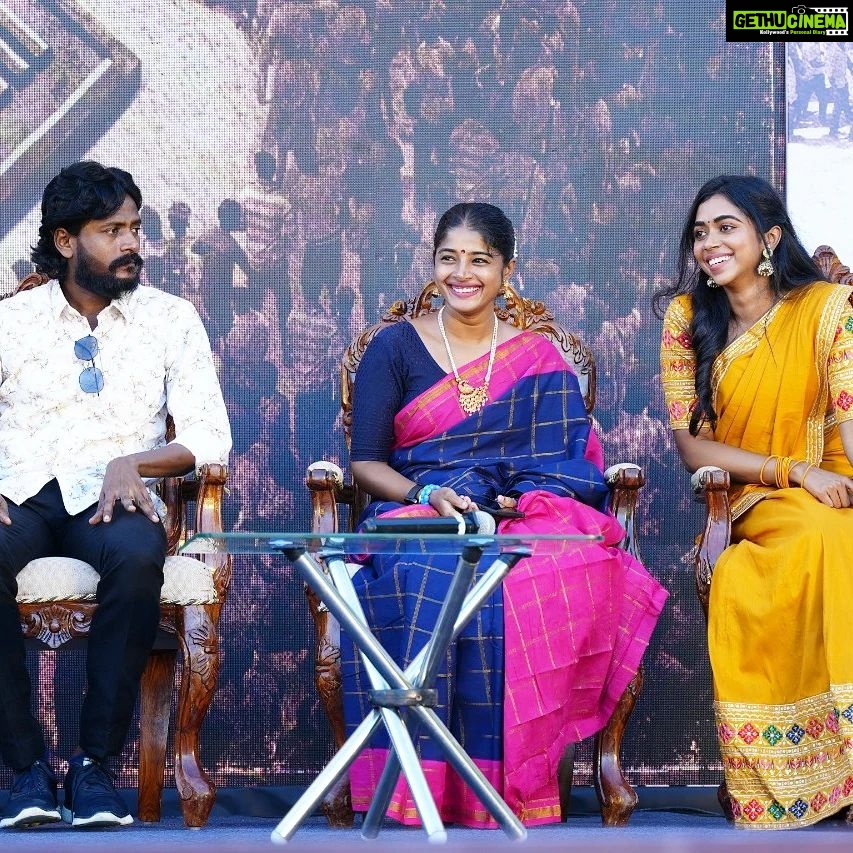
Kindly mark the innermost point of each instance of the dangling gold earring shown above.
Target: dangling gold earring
(765, 268)
(711, 283)
(504, 289)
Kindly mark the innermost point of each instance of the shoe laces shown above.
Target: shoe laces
(34, 780)
(95, 777)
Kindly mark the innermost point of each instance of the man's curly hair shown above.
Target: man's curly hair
(79, 193)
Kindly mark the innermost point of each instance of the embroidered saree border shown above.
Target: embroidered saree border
(834, 300)
(788, 765)
(836, 303)
(740, 346)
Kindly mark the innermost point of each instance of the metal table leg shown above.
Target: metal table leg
(394, 689)
(430, 660)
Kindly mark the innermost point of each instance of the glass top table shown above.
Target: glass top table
(249, 542)
(402, 699)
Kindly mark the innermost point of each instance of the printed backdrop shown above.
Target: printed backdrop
(293, 158)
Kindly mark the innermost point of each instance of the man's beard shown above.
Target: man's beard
(107, 284)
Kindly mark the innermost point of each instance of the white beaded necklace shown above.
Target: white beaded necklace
(471, 399)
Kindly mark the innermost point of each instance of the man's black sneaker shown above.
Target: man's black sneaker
(90, 798)
(32, 798)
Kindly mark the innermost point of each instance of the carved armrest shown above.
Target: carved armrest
(625, 480)
(711, 485)
(325, 482)
(208, 490)
(206, 486)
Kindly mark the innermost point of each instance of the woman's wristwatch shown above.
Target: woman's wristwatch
(419, 494)
(412, 494)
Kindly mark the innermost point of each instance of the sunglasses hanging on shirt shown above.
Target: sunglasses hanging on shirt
(91, 379)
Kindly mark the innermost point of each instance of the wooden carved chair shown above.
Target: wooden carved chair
(711, 486)
(56, 601)
(329, 490)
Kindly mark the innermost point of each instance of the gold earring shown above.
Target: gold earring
(765, 268)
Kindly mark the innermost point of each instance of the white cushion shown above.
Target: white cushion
(330, 468)
(185, 581)
(697, 480)
(614, 470)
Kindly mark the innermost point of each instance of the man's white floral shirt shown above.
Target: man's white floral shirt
(155, 357)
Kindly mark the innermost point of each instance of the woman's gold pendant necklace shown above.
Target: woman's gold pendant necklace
(471, 398)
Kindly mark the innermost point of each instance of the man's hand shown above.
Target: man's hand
(122, 483)
(4, 511)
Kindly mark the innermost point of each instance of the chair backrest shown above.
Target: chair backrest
(831, 267)
(522, 312)
(28, 282)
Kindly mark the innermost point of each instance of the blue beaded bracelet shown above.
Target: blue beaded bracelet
(425, 492)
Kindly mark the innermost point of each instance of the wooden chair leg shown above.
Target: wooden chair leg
(155, 704)
(565, 774)
(616, 796)
(337, 804)
(200, 646)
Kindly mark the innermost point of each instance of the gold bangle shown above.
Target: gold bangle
(791, 465)
(761, 470)
(803, 479)
(777, 472)
(783, 466)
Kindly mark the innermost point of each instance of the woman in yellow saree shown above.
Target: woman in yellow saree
(757, 368)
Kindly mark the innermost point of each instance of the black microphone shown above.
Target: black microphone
(468, 522)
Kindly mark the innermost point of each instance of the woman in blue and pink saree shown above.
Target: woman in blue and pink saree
(544, 662)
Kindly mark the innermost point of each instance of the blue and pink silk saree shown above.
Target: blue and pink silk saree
(545, 661)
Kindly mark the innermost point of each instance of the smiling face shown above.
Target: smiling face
(726, 244)
(468, 272)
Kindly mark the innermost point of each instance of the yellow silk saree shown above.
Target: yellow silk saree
(781, 608)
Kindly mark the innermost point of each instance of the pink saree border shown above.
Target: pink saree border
(437, 409)
(456, 802)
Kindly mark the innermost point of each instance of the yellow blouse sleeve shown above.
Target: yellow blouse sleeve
(840, 368)
(678, 363)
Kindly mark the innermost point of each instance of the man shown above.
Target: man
(838, 57)
(270, 227)
(90, 365)
(220, 254)
(810, 62)
(178, 269)
(287, 81)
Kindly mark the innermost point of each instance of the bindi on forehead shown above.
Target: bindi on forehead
(474, 252)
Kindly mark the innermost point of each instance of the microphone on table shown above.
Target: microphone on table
(466, 522)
